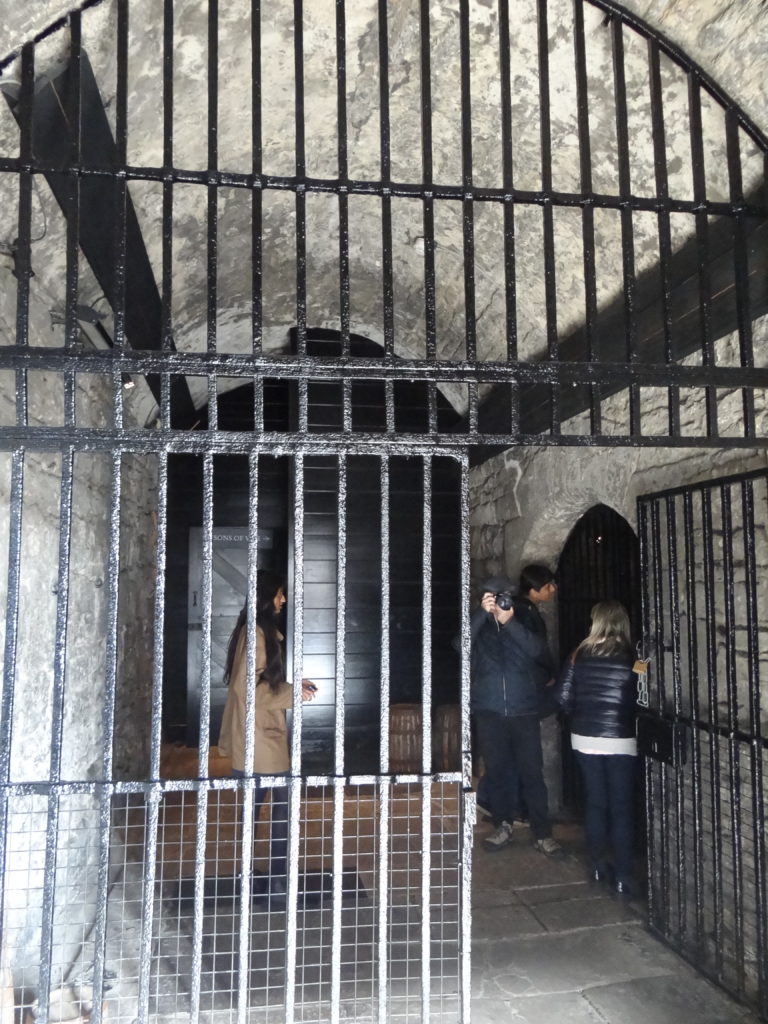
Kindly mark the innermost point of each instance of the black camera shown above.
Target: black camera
(504, 600)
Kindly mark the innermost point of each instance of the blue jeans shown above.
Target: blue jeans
(508, 746)
(609, 814)
(278, 823)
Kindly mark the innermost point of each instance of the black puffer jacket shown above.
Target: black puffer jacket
(599, 694)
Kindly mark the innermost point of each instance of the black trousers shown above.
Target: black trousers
(516, 742)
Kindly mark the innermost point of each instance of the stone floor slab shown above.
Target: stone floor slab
(565, 915)
(568, 1008)
(490, 924)
(570, 961)
(669, 1000)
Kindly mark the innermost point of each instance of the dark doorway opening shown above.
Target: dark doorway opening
(368, 572)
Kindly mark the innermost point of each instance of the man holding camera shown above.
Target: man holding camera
(506, 700)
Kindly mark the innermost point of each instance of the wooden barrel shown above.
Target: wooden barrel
(446, 738)
(405, 722)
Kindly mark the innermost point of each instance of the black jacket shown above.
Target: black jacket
(505, 666)
(529, 615)
(599, 694)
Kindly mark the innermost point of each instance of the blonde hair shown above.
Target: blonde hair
(609, 633)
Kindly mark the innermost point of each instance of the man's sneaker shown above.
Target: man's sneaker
(498, 839)
(549, 846)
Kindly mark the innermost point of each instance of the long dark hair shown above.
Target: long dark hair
(267, 586)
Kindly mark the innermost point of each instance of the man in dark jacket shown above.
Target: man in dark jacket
(537, 587)
(506, 681)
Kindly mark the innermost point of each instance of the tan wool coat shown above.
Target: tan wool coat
(270, 749)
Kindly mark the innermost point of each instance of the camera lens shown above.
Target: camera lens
(504, 601)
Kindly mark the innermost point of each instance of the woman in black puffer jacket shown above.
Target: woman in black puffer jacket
(598, 692)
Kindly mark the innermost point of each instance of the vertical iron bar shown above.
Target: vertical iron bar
(386, 193)
(428, 201)
(734, 758)
(72, 202)
(301, 173)
(702, 244)
(154, 796)
(510, 278)
(550, 285)
(465, 935)
(343, 200)
(468, 214)
(156, 728)
(587, 213)
(741, 267)
(472, 408)
(149, 874)
(248, 784)
(665, 238)
(57, 730)
(121, 193)
(510, 267)
(339, 781)
(108, 729)
(341, 615)
(662, 703)
(167, 215)
(427, 172)
(677, 710)
(716, 894)
(648, 645)
(13, 601)
(296, 641)
(384, 776)
(257, 279)
(695, 716)
(23, 261)
(206, 609)
(213, 205)
(426, 738)
(343, 162)
(756, 753)
(13, 598)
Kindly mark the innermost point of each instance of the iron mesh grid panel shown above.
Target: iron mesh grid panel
(167, 979)
(704, 554)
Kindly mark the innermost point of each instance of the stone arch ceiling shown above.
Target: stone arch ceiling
(727, 39)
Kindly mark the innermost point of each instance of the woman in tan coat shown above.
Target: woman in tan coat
(272, 697)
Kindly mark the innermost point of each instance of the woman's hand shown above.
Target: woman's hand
(308, 689)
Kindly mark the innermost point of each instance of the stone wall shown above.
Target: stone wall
(79, 648)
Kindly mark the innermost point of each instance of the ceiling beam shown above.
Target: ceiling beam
(53, 143)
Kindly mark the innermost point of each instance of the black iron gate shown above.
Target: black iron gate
(174, 211)
(704, 551)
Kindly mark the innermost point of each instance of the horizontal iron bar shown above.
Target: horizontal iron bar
(705, 485)
(295, 367)
(710, 728)
(150, 786)
(238, 442)
(402, 190)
